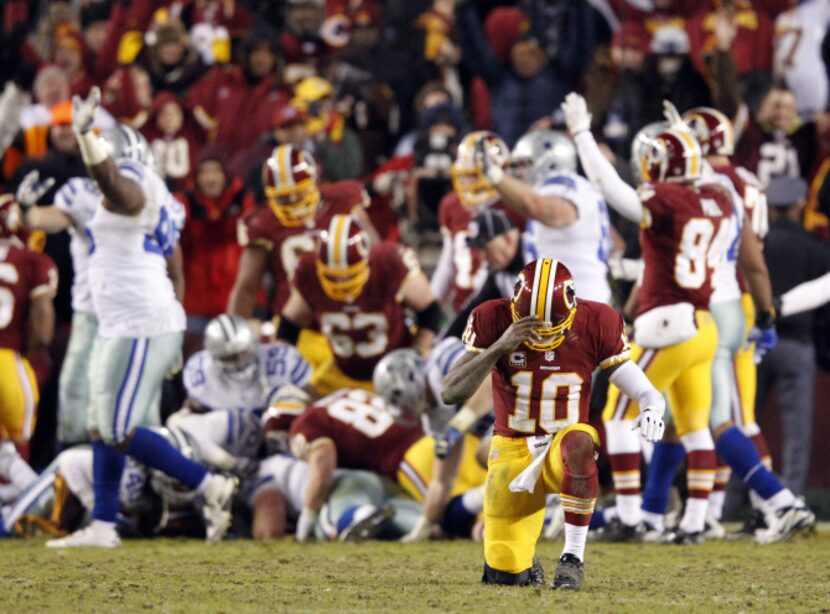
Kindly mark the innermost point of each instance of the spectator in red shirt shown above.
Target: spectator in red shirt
(237, 102)
(215, 201)
(175, 137)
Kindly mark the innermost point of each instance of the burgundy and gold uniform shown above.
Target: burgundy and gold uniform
(285, 244)
(367, 437)
(24, 275)
(361, 331)
(541, 392)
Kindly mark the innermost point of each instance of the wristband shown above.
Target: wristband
(463, 420)
(93, 150)
(765, 319)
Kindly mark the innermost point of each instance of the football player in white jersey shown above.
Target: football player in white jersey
(75, 204)
(567, 216)
(229, 384)
(140, 327)
(411, 388)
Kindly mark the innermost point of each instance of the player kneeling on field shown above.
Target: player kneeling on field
(542, 349)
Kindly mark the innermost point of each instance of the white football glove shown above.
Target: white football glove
(577, 117)
(651, 425)
(83, 111)
(672, 116)
(31, 189)
(305, 524)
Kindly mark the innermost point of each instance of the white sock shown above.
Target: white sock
(716, 499)
(694, 517)
(780, 500)
(658, 521)
(629, 509)
(575, 538)
(610, 513)
(103, 523)
(758, 503)
(473, 500)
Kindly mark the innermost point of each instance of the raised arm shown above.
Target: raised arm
(122, 195)
(621, 196)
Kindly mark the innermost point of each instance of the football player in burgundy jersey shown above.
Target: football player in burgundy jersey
(356, 295)
(542, 347)
(683, 222)
(462, 269)
(274, 237)
(28, 282)
(733, 306)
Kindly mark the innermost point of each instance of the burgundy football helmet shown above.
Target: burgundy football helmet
(545, 288)
(290, 179)
(673, 156)
(343, 258)
(712, 129)
(10, 217)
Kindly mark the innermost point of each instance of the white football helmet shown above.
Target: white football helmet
(400, 381)
(540, 152)
(229, 340)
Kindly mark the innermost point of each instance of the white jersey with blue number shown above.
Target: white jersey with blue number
(441, 359)
(727, 242)
(277, 364)
(131, 290)
(78, 199)
(582, 246)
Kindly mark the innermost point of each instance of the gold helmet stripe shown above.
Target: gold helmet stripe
(534, 289)
(540, 288)
(693, 160)
(549, 291)
(284, 157)
(338, 241)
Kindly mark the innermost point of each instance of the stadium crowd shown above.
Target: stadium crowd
(353, 178)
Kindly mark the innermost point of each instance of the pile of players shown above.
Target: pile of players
(364, 418)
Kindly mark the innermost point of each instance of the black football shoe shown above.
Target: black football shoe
(753, 524)
(569, 573)
(537, 573)
(617, 531)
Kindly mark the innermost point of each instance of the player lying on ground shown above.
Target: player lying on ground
(542, 347)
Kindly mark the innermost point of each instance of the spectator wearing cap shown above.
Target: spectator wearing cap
(525, 84)
(175, 137)
(301, 43)
(170, 59)
(236, 103)
(215, 200)
(336, 146)
(793, 256)
(496, 235)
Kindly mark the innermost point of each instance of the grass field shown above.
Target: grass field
(188, 576)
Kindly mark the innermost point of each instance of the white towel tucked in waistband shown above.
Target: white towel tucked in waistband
(526, 480)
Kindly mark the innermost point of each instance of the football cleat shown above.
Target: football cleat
(95, 535)
(569, 573)
(618, 532)
(753, 524)
(537, 573)
(786, 522)
(216, 506)
(366, 523)
(683, 538)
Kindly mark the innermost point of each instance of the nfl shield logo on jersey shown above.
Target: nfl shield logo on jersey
(518, 359)
(550, 355)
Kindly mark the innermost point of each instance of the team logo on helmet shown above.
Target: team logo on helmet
(545, 288)
(290, 179)
(673, 156)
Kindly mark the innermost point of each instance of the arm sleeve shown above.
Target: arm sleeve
(806, 296)
(475, 49)
(621, 196)
(629, 378)
(479, 334)
(44, 276)
(442, 276)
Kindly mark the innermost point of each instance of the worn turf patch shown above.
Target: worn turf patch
(242, 576)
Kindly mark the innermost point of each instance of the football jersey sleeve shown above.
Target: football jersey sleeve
(193, 376)
(312, 426)
(652, 204)
(252, 231)
(282, 365)
(480, 332)
(44, 276)
(612, 342)
(398, 263)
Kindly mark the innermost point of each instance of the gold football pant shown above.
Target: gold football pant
(513, 521)
(328, 378)
(19, 396)
(417, 465)
(684, 371)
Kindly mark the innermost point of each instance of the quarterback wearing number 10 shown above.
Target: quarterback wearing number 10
(542, 346)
